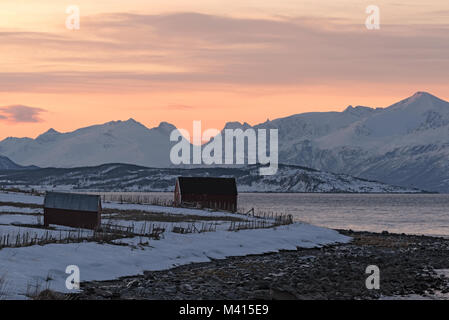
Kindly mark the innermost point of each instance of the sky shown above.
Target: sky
(210, 60)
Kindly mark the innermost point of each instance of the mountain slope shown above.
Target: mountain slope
(116, 141)
(7, 164)
(122, 177)
(405, 144)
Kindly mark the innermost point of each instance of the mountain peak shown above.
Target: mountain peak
(129, 124)
(422, 100)
(236, 125)
(51, 131)
(422, 94)
(48, 135)
(358, 110)
(131, 120)
(166, 127)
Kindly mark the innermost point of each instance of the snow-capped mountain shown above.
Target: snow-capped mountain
(123, 177)
(405, 144)
(116, 141)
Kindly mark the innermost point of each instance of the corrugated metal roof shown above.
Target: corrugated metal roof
(207, 185)
(72, 201)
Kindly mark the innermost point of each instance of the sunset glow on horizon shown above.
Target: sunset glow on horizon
(215, 61)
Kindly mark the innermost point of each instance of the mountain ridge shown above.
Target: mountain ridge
(8, 164)
(406, 143)
(128, 177)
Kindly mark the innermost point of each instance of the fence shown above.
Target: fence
(263, 223)
(136, 199)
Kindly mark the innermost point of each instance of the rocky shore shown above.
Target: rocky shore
(409, 265)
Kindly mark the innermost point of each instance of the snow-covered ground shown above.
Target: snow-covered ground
(24, 266)
(27, 266)
(20, 198)
(39, 200)
(6, 219)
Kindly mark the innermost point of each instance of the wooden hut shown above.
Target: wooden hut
(206, 192)
(72, 210)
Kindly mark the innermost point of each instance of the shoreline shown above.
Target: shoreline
(410, 266)
(28, 190)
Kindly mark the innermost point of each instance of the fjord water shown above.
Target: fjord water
(426, 214)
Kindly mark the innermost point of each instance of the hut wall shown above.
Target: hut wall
(223, 202)
(72, 218)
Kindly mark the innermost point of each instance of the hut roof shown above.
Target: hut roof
(72, 201)
(207, 185)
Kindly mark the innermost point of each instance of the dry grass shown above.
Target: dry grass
(385, 241)
(40, 290)
(193, 228)
(21, 205)
(28, 239)
(2, 287)
(136, 215)
(137, 199)
(18, 190)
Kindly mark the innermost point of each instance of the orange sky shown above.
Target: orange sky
(211, 60)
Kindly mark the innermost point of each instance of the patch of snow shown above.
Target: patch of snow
(22, 266)
(21, 198)
(20, 209)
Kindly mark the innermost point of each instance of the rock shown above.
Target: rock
(407, 266)
(262, 285)
(277, 294)
(186, 287)
(133, 284)
(261, 295)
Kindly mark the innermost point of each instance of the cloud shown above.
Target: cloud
(119, 51)
(20, 113)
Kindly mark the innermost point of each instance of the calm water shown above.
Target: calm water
(416, 214)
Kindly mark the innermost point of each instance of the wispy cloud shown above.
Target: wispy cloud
(140, 52)
(20, 113)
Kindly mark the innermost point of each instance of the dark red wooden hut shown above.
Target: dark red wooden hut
(72, 210)
(206, 192)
